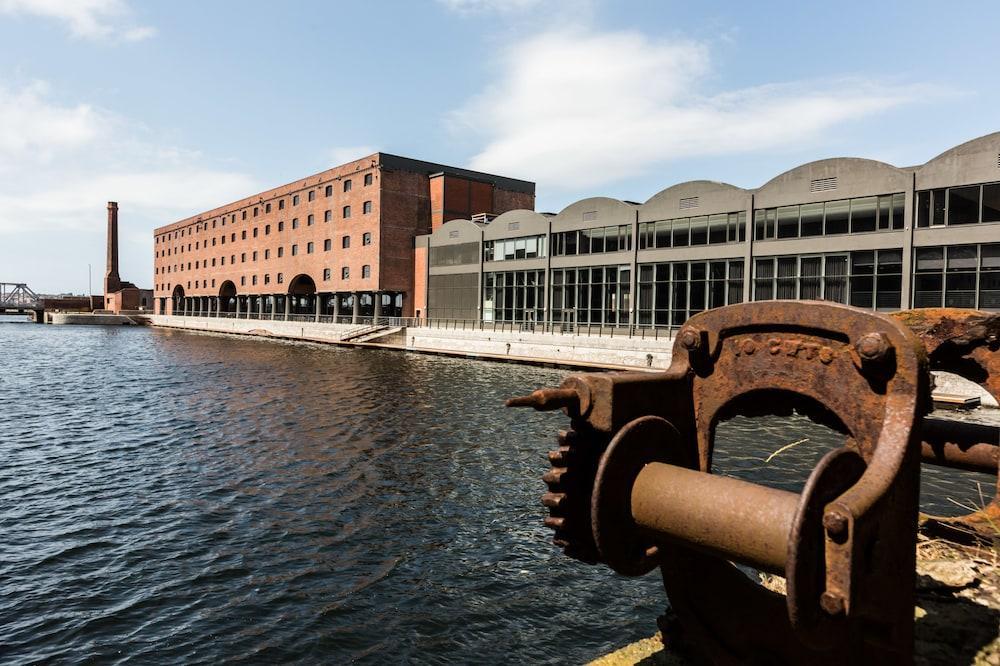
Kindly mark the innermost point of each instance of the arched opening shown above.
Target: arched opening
(227, 297)
(302, 293)
(177, 300)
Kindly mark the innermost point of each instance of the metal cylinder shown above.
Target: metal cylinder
(737, 520)
(960, 445)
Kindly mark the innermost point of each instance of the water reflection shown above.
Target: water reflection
(167, 497)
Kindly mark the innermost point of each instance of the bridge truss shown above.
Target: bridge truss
(18, 295)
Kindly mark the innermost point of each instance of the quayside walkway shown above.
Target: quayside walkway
(578, 347)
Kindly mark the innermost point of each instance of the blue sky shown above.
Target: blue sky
(174, 107)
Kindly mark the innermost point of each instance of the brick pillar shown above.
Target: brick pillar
(112, 281)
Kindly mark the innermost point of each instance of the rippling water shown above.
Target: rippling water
(171, 497)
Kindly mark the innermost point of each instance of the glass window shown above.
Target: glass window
(596, 240)
(680, 233)
(347, 185)
(531, 247)
(763, 274)
(346, 211)
(991, 203)
(812, 219)
(863, 214)
(520, 246)
(786, 279)
(937, 205)
(835, 279)
(963, 205)
(717, 229)
(929, 259)
(811, 269)
(885, 213)
(788, 222)
(923, 209)
(583, 246)
(962, 258)
(611, 239)
(699, 230)
(570, 238)
(898, 208)
(663, 233)
(366, 238)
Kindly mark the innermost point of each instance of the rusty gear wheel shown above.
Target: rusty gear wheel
(571, 485)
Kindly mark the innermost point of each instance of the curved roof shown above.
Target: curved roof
(702, 197)
(834, 178)
(513, 223)
(975, 161)
(986, 142)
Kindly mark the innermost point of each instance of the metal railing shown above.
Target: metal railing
(642, 332)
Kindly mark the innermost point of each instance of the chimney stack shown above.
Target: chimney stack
(112, 281)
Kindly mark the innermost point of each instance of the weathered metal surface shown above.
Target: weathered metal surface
(639, 457)
(965, 343)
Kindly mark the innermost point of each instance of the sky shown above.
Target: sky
(171, 108)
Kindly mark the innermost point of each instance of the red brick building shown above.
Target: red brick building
(340, 242)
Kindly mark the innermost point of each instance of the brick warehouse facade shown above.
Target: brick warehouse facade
(340, 242)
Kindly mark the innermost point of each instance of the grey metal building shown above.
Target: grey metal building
(849, 230)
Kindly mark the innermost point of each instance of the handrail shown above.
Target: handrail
(641, 332)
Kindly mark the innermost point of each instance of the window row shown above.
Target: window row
(957, 276)
(345, 243)
(701, 230)
(972, 204)
(670, 293)
(514, 296)
(593, 295)
(529, 247)
(592, 241)
(864, 279)
(345, 211)
(860, 215)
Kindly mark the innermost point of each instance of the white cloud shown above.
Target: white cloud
(60, 164)
(477, 6)
(87, 19)
(577, 108)
(342, 154)
(33, 129)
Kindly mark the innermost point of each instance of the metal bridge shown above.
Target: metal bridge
(18, 297)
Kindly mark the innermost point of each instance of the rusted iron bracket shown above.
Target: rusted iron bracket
(631, 482)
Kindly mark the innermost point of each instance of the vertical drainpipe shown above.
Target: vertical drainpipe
(549, 314)
(634, 277)
(909, 229)
(748, 251)
(480, 278)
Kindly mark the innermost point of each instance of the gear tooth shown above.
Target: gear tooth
(553, 500)
(555, 522)
(555, 476)
(560, 456)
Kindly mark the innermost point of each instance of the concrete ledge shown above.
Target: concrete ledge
(87, 319)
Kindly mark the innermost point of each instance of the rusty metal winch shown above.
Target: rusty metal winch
(631, 483)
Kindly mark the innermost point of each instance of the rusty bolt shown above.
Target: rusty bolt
(833, 603)
(836, 525)
(873, 346)
(691, 339)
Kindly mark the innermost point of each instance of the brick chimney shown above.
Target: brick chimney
(112, 281)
